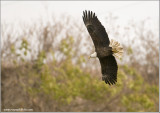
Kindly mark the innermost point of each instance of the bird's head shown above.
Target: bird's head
(94, 55)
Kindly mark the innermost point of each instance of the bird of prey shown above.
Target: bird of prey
(106, 50)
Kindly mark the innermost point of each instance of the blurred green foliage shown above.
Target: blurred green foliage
(65, 82)
(50, 76)
(129, 51)
(22, 51)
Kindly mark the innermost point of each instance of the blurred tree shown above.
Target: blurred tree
(55, 75)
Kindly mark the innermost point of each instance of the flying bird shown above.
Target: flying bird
(106, 50)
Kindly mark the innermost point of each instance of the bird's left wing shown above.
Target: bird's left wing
(95, 29)
(109, 69)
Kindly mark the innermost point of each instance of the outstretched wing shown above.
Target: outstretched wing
(95, 29)
(109, 69)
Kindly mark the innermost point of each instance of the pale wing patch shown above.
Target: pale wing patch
(116, 48)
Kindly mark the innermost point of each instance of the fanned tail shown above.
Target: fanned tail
(116, 48)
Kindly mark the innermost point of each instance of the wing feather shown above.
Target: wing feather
(109, 69)
(95, 29)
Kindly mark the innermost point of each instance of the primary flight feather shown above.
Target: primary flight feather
(105, 50)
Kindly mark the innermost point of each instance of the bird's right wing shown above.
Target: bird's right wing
(109, 69)
(95, 29)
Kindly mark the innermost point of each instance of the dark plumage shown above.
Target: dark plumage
(104, 51)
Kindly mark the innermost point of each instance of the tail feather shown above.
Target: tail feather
(116, 48)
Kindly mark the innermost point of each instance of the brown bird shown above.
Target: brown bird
(105, 50)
